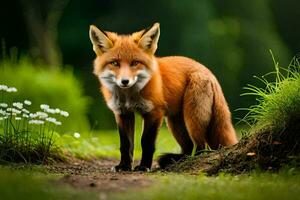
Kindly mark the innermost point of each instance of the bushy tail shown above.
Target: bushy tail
(222, 131)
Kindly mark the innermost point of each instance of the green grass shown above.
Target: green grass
(106, 144)
(278, 101)
(257, 186)
(36, 184)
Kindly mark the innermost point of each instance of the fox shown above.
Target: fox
(134, 80)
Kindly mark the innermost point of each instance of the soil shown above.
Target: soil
(96, 175)
(268, 149)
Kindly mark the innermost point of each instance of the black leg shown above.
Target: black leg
(152, 123)
(126, 132)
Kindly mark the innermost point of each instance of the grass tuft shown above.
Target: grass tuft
(278, 101)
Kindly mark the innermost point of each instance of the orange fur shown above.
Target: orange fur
(183, 90)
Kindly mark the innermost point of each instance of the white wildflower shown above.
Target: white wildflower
(27, 102)
(25, 116)
(57, 123)
(15, 111)
(44, 106)
(51, 119)
(3, 112)
(18, 118)
(42, 115)
(18, 105)
(11, 89)
(64, 113)
(3, 105)
(37, 122)
(50, 110)
(3, 87)
(32, 115)
(25, 111)
(57, 110)
(76, 135)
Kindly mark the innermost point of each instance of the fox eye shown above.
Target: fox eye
(134, 63)
(115, 63)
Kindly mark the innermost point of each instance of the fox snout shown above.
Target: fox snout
(113, 79)
(126, 82)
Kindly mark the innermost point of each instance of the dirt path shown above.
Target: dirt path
(96, 175)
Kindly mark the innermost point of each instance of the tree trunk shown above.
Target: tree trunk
(42, 20)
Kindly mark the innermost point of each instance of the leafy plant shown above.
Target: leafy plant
(27, 136)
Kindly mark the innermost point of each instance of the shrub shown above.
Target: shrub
(42, 85)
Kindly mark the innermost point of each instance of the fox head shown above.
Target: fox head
(125, 61)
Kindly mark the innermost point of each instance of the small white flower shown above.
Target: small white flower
(18, 118)
(50, 110)
(3, 105)
(51, 119)
(18, 105)
(42, 115)
(76, 135)
(44, 106)
(25, 116)
(57, 123)
(57, 110)
(11, 89)
(16, 111)
(3, 112)
(32, 115)
(64, 113)
(37, 122)
(27, 102)
(3, 87)
(25, 111)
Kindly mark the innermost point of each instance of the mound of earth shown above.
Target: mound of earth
(266, 149)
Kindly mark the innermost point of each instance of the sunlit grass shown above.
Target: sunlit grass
(278, 102)
(106, 144)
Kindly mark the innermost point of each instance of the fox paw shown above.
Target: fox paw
(121, 168)
(141, 168)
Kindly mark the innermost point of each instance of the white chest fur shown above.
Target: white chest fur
(128, 100)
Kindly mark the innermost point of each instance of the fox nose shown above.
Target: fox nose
(125, 82)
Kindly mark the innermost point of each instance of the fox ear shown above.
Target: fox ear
(149, 38)
(101, 42)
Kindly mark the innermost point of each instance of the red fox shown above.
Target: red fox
(133, 79)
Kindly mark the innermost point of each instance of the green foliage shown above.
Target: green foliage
(26, 136)
(40, 84)
(278, 101)
(285, 185)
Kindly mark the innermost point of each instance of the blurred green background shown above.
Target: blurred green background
(232, 38)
